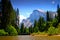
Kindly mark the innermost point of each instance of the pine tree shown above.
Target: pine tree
(58, 11)
(22, 28)
(31, 29)
(7, 13)
(48, 19)
(35, 26)
(4, 4)
(41, 22)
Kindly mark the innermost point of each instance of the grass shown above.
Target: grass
(39, 34)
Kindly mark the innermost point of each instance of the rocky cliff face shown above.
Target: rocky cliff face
(36, 14)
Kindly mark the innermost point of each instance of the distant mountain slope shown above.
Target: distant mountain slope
(35, 16)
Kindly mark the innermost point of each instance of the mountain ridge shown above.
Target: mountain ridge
(36, 14)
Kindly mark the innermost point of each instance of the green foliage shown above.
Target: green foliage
(11, 30)
(35, 23)
(36, 29)
(9, 14)
(17, 28)
(58, 13)
(58, 28)
(47, 14)
(22, 28)
(9, 17)
(26, 30)
(31, 30)
(6, 10)
(43, 27)
(3, 33)
(41, 24)
(35, 26)
(48, 24)
(12, 17)
(39, 33)
(52, 30)
(55, 22)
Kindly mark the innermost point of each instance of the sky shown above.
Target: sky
(26, 7)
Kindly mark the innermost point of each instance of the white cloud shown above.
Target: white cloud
(53, 2)
(22, 17)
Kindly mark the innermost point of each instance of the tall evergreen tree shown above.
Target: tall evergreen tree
(7, 13)
(22, 28)
(35, 26)
(48, 19)
(58, 11)
(41, 22)
(31, 29)
(47, 14)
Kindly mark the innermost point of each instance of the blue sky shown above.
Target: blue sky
(26, 7)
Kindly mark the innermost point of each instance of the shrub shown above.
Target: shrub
(11, 30)
(17, 28)
(56, 31)
(3, 33)
(58, 28)
(54, 22)
(51, 30)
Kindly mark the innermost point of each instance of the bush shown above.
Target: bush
(58, 28)
(51, 30)
(54, 22)
(11, 30)
(3, 33)
(17, 28)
